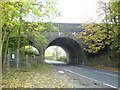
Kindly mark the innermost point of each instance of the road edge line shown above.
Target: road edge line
(90, 78)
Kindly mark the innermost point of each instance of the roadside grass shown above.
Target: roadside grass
(43, 67)
(37, 76)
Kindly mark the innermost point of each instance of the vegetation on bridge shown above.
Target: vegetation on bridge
(105, 34)
(104, 37)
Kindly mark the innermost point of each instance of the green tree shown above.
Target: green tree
(105, 34)
(112, 21)
(115, 20)
(12, 18)
(28, 51)
(56, 52)
(0, 50)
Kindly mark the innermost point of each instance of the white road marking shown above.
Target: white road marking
(98, 72)
(106, 73)
(61, 72)
(90, 78)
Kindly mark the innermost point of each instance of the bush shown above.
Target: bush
(63, 59)
(107, 60)
(28, 51)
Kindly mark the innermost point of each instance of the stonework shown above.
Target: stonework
(66, 39)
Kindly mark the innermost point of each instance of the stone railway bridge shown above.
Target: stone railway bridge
(66, 39)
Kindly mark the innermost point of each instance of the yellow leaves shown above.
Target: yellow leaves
(8, 6)
(35, 12)
(95, 37)
(1, 7)
(84, 33)
(11, 7)
(36, 28)
(37, 23)
(35, 79)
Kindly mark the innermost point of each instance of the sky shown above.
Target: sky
(76, 11)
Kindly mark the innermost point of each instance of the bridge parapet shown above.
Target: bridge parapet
(69, 27)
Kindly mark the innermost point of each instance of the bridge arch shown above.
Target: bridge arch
(72, 48)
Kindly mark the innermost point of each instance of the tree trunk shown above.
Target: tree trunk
(0, 59)
(18, 40)
(8, 59)
(3, 36)
(17, 52)
(17, 59)
(27, 61)
(5, 52)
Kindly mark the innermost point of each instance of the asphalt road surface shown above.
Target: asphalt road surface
(106, 77)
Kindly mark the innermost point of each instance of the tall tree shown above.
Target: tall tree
(0, 49)
(97, 36)
(115, 20)
(12, 18)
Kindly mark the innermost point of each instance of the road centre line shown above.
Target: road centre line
(90, 78)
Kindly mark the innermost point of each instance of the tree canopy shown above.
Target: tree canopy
(14, 16)
(97, 36)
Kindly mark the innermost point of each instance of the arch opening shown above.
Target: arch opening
(72, 48)
(56, 54)
(29, 55)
